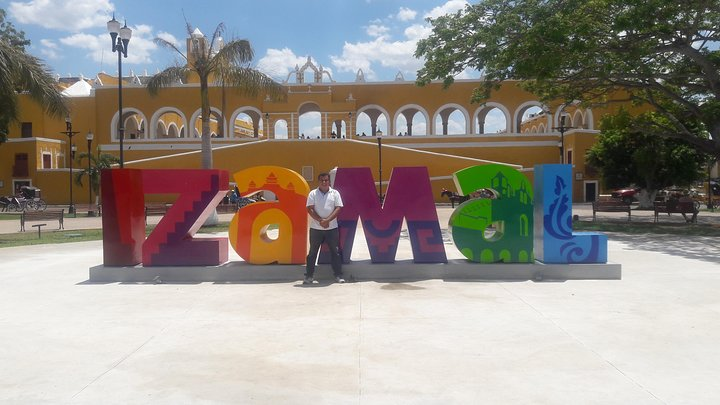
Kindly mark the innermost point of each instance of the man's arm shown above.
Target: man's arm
(324, 222)
(333, 214)
(314, 215)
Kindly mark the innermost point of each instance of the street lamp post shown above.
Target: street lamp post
(380, 167)
(349, 131)
(562, 128)
(120, 38)
(89, 138)
(70, 133)
(266, 128)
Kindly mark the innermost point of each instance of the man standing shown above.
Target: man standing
(323, 205)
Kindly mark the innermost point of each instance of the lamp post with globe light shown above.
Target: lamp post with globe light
(89, 137)
(120, 39)
(562, 128)
(70, 133)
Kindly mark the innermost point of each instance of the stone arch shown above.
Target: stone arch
(309, 110)
(159, 113)
(588, 119)
(416, 108)
(281, 129)
(127, 113)
(578, 118)
(374, 111)
(520, 110)
(481, 114)
(559, 113)
(173, 131)
(256, 116)
(308, 106)
(213, 111)
(161, 130)
(134, 128)
(448, 109)
(541, 128)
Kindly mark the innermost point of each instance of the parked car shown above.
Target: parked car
(626, 195)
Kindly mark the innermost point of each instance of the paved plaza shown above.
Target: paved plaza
(650, 338)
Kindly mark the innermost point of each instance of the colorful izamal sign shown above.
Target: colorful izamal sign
(521, 224)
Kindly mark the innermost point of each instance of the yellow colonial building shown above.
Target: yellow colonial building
(352, 124)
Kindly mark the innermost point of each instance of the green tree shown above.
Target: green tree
(595, 51)
(9, 33)
(228, 65)
(21, 72)
(97, 164)
(627, 153)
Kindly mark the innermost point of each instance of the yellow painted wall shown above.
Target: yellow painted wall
(336, 101)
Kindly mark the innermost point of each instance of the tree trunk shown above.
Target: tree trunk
(646, 199)
(207, 161)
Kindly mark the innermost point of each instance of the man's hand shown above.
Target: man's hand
(325, 223)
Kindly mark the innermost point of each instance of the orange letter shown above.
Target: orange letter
(248, 228)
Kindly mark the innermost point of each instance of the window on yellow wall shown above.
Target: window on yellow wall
(46, 161)
(26, 130)
(307, 173)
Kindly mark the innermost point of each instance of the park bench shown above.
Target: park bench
(683, 206)
(32, 216)
(96, 209)
(610, 206)
(155, 209)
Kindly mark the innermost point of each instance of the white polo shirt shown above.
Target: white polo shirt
(325, 204)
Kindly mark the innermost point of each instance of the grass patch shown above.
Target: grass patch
(30, 237)
(9, 217)
(679, 229)
(50, 236)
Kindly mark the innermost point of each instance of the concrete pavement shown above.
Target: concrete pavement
(650, 338)
(584, 212)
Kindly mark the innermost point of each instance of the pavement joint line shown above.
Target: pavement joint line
(581, 343)
(113, 366)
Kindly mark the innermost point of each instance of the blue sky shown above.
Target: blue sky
(377, 36)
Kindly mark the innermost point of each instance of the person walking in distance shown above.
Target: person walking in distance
(323, 205)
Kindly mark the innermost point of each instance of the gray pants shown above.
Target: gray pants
(331, 238)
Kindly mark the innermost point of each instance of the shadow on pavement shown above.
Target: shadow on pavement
(704, 248)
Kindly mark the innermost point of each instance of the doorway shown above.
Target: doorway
(591, 191)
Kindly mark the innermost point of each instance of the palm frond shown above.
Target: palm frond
(251, 82)
(167, 44)
(237, 53)
(219, 30)
(167, 78)
(20, 71)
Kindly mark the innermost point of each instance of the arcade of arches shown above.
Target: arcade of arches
(319, 125)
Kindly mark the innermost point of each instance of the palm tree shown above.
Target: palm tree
(21, 72)
(228, 66)
(97, 163)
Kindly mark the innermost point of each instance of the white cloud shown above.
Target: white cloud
(48, 43)
(390, 54)
(417, 32)
(406, 14)
(140, 49)
(170, 38)
(386, 52)
(62, 15)
(279, 63)
(49, 49)
(450, 7)
(468, 74)
(377, 31)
